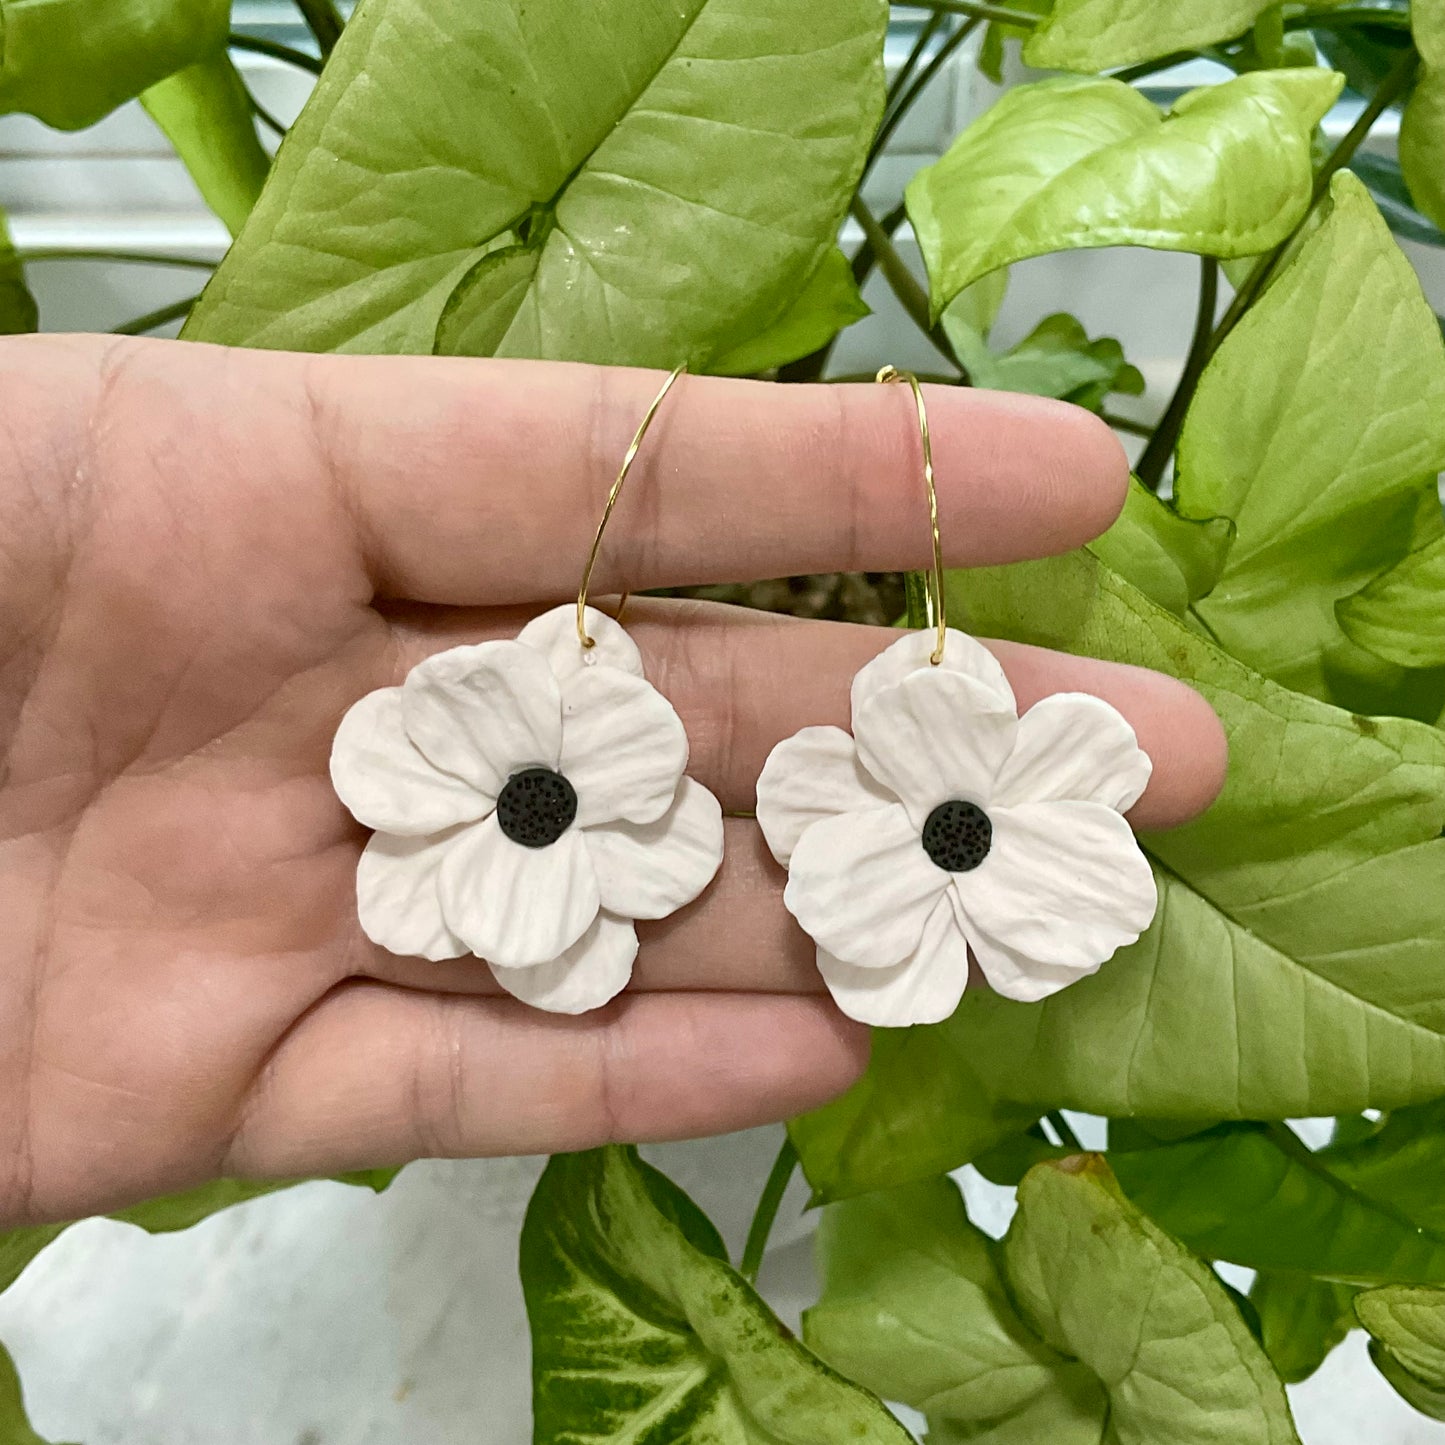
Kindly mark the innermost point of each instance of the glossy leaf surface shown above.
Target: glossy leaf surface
(658, 189)
(1074, 162)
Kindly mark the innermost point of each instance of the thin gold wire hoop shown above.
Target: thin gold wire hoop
(937, 605)
(628, 458)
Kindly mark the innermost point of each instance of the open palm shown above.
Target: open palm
(206, 556)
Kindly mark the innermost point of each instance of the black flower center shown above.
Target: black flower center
(536, 807)
(957, 836)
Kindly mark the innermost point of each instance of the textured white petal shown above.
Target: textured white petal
(1016, 976)
(396, 896)
(1064, 884)
(649, 870)
(623, 747)
(862, 886)
(1073, 746)
(554, 635)
(485, 712)
(913, 651)
(589, 974)
(924, 989)
(812, 775)
(386, 783)
(517, 906)
(934, 736)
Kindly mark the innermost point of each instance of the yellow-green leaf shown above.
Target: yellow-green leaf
(1071, 163)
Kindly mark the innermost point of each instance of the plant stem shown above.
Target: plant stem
(1152, 67)
(906, 72)
(137, 258)
(154, 319)
(1126, 424)
(1166, 435)
(767, 1211)
(324, 21)
(261, 46)
(998, 13)
(905, 285)
(894, 117)
(266, 118)
(1061, 1126)
(1394, 85)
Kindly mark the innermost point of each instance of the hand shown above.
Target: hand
(206, 556)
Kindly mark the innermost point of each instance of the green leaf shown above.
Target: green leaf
(18, 312)
(1056, 359)
(665, 173)
(1301, 1320)
(1173, 560)
(1407, 1329)
(828, 302)
(1256, 1196)
(1297, 963)
(1071, 163)
(205, 113)
(1093, 35)
(996, 38)
(70, 62)
(1400, 1163)
(975, 309)
(15, 1428)
(1314, 428)
(1088, 1323)
(1422, 127)
(913, 1307)
(1400, 616)
(642, 1332)
(1365, 53)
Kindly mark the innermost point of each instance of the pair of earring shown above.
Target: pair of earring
(531, 803)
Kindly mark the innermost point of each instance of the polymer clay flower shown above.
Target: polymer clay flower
(530, 803)
(948, 822)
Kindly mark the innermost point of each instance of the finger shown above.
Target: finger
(482, 481)
(743, 680)
(375, 1075)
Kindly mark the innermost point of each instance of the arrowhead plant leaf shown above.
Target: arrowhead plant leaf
(1087, 1323)
(1316, 428)
(72, 62)
(642, 1332)
(657, 190)
(1075, 162)
(1101, 34)
(1407, 1331)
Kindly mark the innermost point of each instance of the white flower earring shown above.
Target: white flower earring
(948, 822)
(529, 801)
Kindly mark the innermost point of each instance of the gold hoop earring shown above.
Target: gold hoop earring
(530, 802)
(948, 824)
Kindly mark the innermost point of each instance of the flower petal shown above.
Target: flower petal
(1065, 885)
(589, 974)
(1014, 975)
(517, 906)
(485, 712)
(934, 736)
(554, 635)
(623, 747)
(863, 887)
(812, 775)
(386, 783)
(913, 652)
(396, 896)
(1075, 747)
(924, 989)
(650, 870)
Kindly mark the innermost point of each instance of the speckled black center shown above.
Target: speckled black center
(536, 807)
(957, 836)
